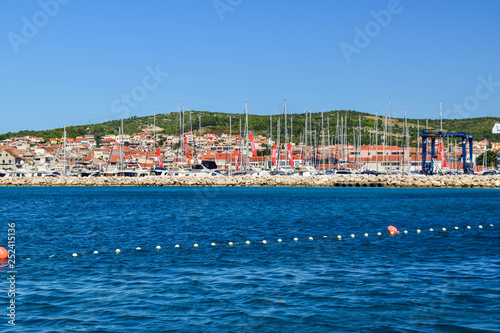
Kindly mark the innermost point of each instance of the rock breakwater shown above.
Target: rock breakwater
(465, 181)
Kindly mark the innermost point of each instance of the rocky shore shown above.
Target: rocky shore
(465, 181)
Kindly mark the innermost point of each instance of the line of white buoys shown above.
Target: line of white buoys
(339, 237)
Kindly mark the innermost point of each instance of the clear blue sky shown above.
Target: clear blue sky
(85, 56)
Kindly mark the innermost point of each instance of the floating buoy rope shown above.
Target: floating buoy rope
(392, 231)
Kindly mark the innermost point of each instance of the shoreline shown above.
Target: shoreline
(437, 181)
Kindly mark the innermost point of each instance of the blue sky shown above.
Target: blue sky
(66, 61)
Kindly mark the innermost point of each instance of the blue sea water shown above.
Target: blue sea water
(433, 281)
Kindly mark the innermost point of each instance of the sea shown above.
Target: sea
(286, 270)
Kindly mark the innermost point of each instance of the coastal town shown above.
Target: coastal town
(231, 153)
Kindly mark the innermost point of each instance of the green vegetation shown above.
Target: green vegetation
(216, 122)
(490, 159)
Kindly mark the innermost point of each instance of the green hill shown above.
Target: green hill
(217, 122)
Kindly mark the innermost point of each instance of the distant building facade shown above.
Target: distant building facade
(7, 160)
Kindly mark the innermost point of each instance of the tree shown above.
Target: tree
(490, 158)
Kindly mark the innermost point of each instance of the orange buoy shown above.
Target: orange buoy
(4, 254)
(392, 230)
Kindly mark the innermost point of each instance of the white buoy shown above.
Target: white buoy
(310, 238)
(491, 225)
(468, 227)
(480, 227)
(418, 231)
(431, 229)
(230, 243)
(247, 242)
(444, 229)
(325, 236)
(295, 239)
(118, 251)
(339, 237)
(213, 244)
(456, 228)
(75, 255)
(264, 242)
(95, 252)
(280, 240)
(138, 248)
(177, 245)
(391, 233)
(195, 245)
(379, 233)
(158, 247)
(406, 231)
(366, 235)
(352, 235)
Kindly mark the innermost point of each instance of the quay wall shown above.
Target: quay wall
(465, 181)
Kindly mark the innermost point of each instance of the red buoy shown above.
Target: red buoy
(392, 230)
(4, 254)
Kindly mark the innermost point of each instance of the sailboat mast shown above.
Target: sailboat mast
(229, 148)
(278, 134)
(376, 140)
(418, 143)
(390, 127)
(154, 138)
(441, 116)
(305, 140)
(286, 126)
(329, 145)
(64, 151)
(247, 135)
(322, 141)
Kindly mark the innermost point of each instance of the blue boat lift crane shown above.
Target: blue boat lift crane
(428, 167)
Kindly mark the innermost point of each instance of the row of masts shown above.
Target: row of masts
(308, 139)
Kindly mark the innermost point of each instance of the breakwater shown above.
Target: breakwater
(466, 181)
